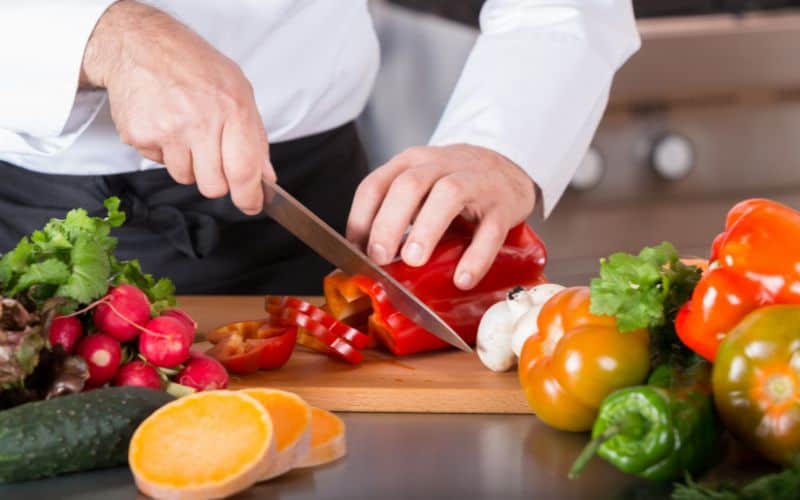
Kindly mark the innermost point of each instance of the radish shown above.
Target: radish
(203, 373)
(65, 331)
(102, 353)
(183, 316)
(124, 302)
(138, 373)
(165, 341)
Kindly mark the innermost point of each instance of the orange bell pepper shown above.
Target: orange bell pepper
(576, 359)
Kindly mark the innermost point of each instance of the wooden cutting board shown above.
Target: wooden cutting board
(440, 382)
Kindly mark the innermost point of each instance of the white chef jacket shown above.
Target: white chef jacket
(533, 89)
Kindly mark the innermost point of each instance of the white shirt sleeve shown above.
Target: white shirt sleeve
(43, 41)
(536, 83)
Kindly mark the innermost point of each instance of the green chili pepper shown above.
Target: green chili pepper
(659, 430)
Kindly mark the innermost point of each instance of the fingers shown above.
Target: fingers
(480, 254)
(368, 198)
(152, 154)
(243, 154)
(178, 160)
(398, 209)
(207, 166)
(445, 202)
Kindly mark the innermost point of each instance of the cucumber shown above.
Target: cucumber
(79, 432)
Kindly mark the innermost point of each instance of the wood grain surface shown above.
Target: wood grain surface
(440, 382)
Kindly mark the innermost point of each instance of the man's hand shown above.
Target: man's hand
(180, 102)
(428, 187)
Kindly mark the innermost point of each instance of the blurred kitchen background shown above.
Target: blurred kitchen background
(707, 113)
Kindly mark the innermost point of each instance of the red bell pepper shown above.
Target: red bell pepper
(754, 262)
(276, 304)
(520, 262)
(247, 346)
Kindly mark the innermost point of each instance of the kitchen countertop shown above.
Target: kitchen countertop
(411, 456)
(407, 455)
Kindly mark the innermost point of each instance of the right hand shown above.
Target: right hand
(180, 102)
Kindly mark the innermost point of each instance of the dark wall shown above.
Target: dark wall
(466, 11)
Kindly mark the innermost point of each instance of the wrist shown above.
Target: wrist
(104, 49)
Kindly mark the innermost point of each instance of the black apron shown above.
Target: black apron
(204, 246)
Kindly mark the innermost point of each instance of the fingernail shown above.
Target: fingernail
(412, 254)
(464, 279)
(378, 253)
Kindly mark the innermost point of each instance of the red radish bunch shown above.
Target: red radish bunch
(103, 354)
(155, 347)
(165, 341)
(66, 331)
(138, 373)
(126, 309)
(203, 373)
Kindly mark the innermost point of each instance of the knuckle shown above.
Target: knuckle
(414, 154)
(451, 187)
(241, 175)
(138, 135)
(184, 178)
(367, 189)
(410, 182)
(213, 189)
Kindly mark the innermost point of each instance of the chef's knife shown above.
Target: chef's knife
(333, 247)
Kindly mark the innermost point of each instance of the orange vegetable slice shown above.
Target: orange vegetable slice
(328, 441)
(291, 417)
(206, 445)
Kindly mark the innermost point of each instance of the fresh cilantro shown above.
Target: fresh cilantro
(161, 292)
(90, 271)
(73, 258)
(50, 271)
(782, 485)
(643, 291)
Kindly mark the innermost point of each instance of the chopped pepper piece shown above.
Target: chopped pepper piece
(520, 262)
(274, 304)
(754, 262)
(247, 346)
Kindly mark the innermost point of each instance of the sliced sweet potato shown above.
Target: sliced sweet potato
(291, 417)
(328, 440)
(207, 445)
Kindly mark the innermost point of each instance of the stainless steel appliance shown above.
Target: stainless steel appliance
(707, 113)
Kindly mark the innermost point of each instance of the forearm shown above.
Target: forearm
(122, 21)
(537, 81)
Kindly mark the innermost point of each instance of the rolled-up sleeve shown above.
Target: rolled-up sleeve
(43, 41)
(537, 81)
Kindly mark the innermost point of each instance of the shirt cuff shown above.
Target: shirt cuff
(535, 98)
(39, 98)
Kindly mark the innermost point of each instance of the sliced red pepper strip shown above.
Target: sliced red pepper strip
(354, 337)
(520, 262)
(337, 344)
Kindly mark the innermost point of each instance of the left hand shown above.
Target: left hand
(430, 186)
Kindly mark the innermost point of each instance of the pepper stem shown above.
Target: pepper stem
(590, 449)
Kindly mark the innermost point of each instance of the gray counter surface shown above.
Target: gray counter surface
(412, 456)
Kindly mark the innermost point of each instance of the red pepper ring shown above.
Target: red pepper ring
(338, 345)
(356, 338)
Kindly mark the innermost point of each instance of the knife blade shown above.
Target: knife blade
(333, 247)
